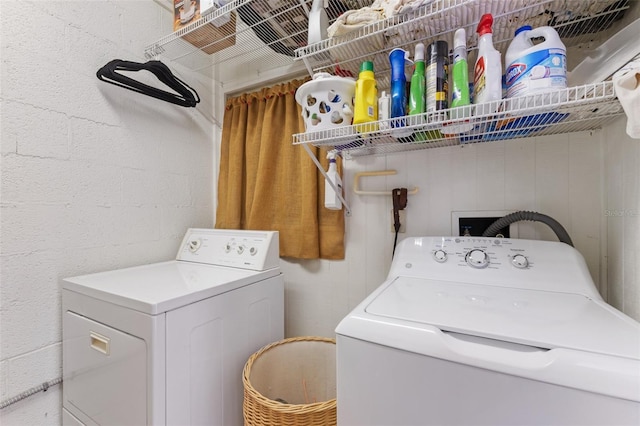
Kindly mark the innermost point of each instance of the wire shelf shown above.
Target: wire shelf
(237, 34)
(573, 109)
(576, 21)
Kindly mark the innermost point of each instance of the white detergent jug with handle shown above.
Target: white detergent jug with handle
(535, 68)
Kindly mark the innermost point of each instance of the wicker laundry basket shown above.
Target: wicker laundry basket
(291, 382)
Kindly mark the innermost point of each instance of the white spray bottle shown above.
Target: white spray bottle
(331, 199)
(487, 81)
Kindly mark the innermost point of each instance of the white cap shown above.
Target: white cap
(419, 55)
(460, 38)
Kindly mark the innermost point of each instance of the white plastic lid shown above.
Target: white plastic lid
(535, 318)
(419, 55)
(162, 287)
(460, 38)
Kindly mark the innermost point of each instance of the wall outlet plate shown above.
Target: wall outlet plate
(457, 215)
(403, 220)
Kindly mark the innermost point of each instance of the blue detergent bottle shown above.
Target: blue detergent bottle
(397, 58)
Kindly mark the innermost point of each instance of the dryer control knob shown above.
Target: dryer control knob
(477, 258)
(440, 256)
(240, 249)
(253, 251)
(520, 261)
(194, 245)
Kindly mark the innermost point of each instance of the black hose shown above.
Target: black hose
(507, 220)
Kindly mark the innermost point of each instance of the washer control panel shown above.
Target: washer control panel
(255, 250)
(480, 253)
(509, 262)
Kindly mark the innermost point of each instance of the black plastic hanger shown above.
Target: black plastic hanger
(186, 96)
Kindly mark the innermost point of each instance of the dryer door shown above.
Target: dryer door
(105, 373)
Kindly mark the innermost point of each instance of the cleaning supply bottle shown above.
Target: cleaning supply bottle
(534, 68)
(487, 80)
(438, 76)
(417, 88)
(397, 59)
(366, 100)
(331, 199)
(384, 110)
(460, 92)
(460, 71)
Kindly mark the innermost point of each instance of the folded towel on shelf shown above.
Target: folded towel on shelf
(353, 20)
(626, 84)
(380, 9)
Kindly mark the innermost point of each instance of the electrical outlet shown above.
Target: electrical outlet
(403, 220)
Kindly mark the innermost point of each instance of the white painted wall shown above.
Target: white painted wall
(573, 178)
(94, 177)
(622, 213)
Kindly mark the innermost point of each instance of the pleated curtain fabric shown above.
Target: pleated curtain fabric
(267, 183)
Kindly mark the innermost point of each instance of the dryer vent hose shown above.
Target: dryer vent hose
(507, 220)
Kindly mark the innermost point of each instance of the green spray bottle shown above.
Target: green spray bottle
(460, 72)
(417, 90)
(460, 87)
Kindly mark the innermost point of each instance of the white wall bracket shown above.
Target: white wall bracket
(356, 181)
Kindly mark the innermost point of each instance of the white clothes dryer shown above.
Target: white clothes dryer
(166, 343)
(487, 331)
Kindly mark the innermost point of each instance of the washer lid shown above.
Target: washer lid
(161, 287)
(530, 317)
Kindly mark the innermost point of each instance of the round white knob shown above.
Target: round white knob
(440, 256)
(227, 248)
(194, 245)
(477, 258)
(253, 251)
(520, 261)
(240, 249)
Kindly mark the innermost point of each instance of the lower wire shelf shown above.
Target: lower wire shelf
(574, 109)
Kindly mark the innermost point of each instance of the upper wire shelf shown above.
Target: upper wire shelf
(244, 34)
(574, 109)
(577, 22)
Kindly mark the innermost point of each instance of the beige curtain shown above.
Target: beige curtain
(267, 183)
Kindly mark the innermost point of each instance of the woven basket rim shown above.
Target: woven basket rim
(279, 406)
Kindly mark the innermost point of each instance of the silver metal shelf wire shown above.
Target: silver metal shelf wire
(573, 109)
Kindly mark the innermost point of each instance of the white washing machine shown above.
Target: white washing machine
(166, 343)
(486, 331)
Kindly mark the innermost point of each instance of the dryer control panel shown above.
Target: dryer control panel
(254, 250)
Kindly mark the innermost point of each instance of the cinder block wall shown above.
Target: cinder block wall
(94, 177)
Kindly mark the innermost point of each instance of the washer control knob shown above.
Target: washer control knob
(477, 258)
(194, 245)
(240, 249)
(227, 248)
(253, 251)
(440, 256)
(520, 261)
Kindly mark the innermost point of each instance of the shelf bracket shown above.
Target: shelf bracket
(358, 191)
